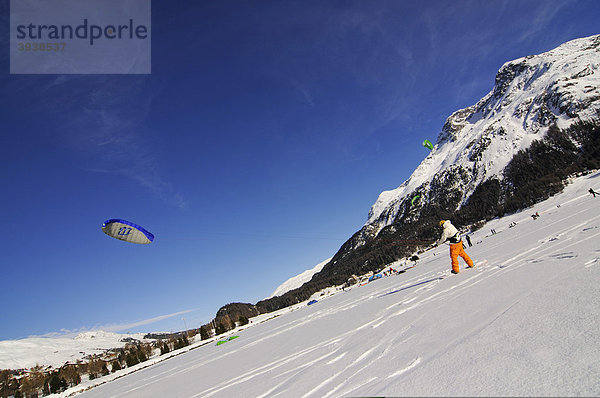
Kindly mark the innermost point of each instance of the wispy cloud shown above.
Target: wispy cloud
(104, 121)
(543, 18)
(132, 325)
(108, 124)
(114, 327)
(303, 90)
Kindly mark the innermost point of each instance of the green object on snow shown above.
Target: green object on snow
(428, 144)
(228, 339)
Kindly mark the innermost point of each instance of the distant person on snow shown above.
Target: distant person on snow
(468, 240)
(592, 192)
(452, 236)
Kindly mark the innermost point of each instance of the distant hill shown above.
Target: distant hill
(55, 351)
(298, 280)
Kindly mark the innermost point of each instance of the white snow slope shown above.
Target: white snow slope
(525, 323)
(298, 280)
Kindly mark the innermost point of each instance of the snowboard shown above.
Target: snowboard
(477, 264)
(480, 263)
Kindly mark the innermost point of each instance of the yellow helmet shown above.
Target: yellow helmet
(442, 222)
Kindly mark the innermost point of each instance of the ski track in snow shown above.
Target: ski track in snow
(406, 369)
(326, 362)
(591, 262)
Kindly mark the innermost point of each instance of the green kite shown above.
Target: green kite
(428, 144)
(412, 202)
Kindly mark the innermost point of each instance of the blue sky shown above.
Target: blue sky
(255, 148)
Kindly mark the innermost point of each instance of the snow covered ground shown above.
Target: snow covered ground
(525, 323)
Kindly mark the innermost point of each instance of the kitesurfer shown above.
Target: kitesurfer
(452, 236)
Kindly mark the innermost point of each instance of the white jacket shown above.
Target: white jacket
(450, 231)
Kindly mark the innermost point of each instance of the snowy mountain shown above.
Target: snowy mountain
(523, 324)
(298, 280)
(515, 147)
(530, 94)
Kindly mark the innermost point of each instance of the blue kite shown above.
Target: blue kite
(127, 231)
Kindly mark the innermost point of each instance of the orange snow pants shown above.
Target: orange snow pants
(456, 249)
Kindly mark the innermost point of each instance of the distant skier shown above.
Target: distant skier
(468, 240)
(592, 192)
(452, 236)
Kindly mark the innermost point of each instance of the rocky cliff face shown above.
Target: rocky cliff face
(530, 94)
